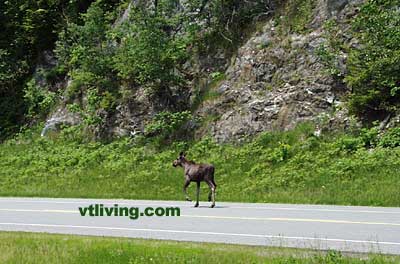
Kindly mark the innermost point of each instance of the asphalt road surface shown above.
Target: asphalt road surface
(344, 228)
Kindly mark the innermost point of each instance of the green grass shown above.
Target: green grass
(289, 167)
(46, 248)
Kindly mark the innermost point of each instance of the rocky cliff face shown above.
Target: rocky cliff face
(277, 81)
(273, 82)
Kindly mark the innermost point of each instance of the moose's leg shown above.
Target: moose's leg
(210, 184)
(212, 187)
(213, 196)
(197, 194)
(187, 182)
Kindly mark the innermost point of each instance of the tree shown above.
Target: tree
(374, 67)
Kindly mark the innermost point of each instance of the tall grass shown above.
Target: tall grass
(286, 167)
(46, 248)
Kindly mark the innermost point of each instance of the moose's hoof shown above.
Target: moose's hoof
(212, 206)
(196, 205)
(188, 199)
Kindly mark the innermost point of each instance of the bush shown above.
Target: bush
(227, 21)
(369, 136)
(391, 138)
(373, 68)
(328, 57)
(349, 144)
(38, 99)
(165, 124)
(296, 16)
(151, 55)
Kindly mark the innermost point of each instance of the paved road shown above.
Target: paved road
(356, 229)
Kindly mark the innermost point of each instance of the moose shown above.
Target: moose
(197, 173)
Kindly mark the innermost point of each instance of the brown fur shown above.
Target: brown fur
(197, 173)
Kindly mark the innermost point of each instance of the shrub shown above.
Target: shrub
(281, 153)
(374, 67)
(151, 54)
(166, 123)
(297, 14)
(348, 144)
(217, 76)
(329, 58)
(391, 138)
(38, 99)
(369, 136)
(227, 21)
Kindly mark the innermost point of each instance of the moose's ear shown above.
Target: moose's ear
(181, 154)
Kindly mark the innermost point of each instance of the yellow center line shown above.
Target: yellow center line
(162, 203)
(277, 219)
(282, 219)
(40, 211)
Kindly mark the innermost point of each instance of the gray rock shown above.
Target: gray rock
(59, 118)
(276, 88)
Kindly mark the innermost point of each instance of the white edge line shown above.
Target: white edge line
(205, 233)
(275, 219)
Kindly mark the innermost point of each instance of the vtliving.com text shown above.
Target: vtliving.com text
(131, 212)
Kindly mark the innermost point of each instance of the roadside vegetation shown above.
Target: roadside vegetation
(107, 57)
(362, 168)
(372, 71)
(358, 167)
(46, 248)
(88, 39)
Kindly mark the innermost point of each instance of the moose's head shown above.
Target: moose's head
(179, 160)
